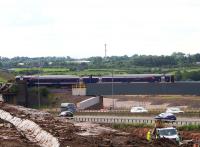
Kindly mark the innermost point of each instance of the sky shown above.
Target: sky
(80, 28)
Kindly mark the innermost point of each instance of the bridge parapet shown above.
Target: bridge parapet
(178, 88)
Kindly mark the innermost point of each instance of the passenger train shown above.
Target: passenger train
(62, 80)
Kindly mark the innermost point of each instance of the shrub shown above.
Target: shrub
(131, 125)
(189, 128)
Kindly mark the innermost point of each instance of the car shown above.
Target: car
(174, 110)
(68, 107)
(168, 132)
(165, 117)
(138, 110)
(66, 114)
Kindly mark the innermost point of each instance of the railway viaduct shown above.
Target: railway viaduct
(100, 89)
(177, 88)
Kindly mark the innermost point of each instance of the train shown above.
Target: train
(63, 80)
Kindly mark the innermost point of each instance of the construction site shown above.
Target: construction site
(99, 73)
(94, 123)
(21, 127)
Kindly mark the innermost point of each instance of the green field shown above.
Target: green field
(2, 79)
(101, 72)
(66, 71)
(42, 69)
(5, 76)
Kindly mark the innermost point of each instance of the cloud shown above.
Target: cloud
(81, 28)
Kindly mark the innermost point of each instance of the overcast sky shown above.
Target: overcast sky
(80, 28)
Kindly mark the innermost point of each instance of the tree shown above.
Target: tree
(178, 75)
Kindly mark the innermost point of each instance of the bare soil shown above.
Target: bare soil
(151, 101)
(67, 133)
(155, 101)
(10, 137)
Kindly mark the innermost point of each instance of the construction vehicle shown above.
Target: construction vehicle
(166, 132)
(164, 129)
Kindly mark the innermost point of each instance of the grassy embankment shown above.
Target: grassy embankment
(66, 71)
(143, 125)
(5, 76)
(99, 72)
(44, 71)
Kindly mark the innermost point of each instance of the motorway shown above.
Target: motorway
(116, 119)
(137, 117)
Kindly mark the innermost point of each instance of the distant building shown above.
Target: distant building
(50, 63)
(198, 63)
(79, 61)
(21, 64)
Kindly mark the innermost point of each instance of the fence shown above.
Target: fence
(129, 120)
(128, 110)
(152, 112)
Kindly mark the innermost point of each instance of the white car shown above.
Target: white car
(66, 114)
(174, 110)
(138, 110)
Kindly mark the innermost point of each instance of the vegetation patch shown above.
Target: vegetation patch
(45, 71)
(183, 66)
(144, 125)
(2, 79)
(189, 128)
(5, 76)
(131, 125)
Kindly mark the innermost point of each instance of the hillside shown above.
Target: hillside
(5, 76)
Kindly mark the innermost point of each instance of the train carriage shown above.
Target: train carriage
(62, 80)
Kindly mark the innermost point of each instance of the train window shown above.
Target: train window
(163, 79)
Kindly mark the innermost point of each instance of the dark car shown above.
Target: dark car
(166, 117)
(68, 107)
(66, 114)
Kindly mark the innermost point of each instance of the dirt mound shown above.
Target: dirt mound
(163, 142)
(69, 135)
(114, 140)
(191, 135)
(10, 137)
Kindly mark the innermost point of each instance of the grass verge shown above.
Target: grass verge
(144, 125)
(131, 125)
(189, 128)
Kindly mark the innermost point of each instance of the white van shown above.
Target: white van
(138, 110)
(174, 110)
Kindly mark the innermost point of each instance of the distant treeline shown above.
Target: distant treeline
(175, 63)
(175, 60)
